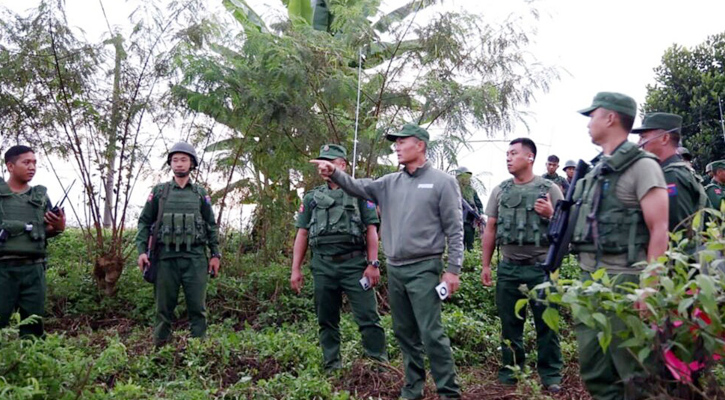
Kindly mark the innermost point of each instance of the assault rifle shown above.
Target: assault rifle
(560, 228)
(153, 250)
(468, 210)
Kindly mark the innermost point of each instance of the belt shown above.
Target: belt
(21, 261)
(343, 257)
(529, 261)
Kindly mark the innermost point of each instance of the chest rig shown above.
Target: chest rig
(182, 223)
(518, 223)
(335, 218)
(22, 221)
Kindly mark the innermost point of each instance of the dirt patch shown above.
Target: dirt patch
(250, 366)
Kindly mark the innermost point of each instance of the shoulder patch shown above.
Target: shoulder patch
(672, 189)
(370, 204)
(302, 208)
(151, 197)
(718, 191)
(207, 199)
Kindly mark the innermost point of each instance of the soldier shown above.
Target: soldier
(660, 134)
(708, 175)
(552, 164)
(25, 223)
(463, 175)
(518, 213)
(342, 232)
(686, 156)
(716, 189)
(187, 228)
(569, 169)
(421, 208)
(623, 220)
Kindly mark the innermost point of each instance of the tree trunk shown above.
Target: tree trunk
(112, 133)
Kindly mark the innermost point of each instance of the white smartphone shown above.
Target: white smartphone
(365, 283)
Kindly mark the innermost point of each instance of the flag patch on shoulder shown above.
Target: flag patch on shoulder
(370, 204)
(207, 199)
(302, 208)
(151, 196)
(672, 189)
(425, 186)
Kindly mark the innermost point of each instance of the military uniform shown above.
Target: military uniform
(421, 217)
(336, 224)
(683, 185)
(187, 229)
(558, 179)
(612, 191)
(470, 196)
(22, 255)
(521, 235)
(715, 190)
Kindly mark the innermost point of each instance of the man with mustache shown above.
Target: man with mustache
(187, 229)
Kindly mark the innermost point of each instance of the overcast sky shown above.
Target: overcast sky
(599, 46)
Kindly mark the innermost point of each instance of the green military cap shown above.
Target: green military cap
(708, 168)
(332, 152)
(612, 101)
(569, 164)
(659, 120)
(410, 130)
(463, 170)
(717, 165)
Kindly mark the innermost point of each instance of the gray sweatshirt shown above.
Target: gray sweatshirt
(419, 211)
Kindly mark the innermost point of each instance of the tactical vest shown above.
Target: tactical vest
(335, 218)
(604, 224)
(181, 222)
(517, 222)
(21, 219)
(682, 166)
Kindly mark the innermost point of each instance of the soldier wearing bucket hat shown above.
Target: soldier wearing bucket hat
(569, 169)
(625, 181)
(421, 214)
(463, 176)
(716, 189)
(342, 232)
(660, 135)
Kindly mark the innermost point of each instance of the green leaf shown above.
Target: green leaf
(643, 354)
(601, 319)
(520, 304)
(552, 318)
(243, 13)
(300, 10)
(598, 274)
(605, 339)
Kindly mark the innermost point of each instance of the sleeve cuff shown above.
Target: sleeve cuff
(454, 269)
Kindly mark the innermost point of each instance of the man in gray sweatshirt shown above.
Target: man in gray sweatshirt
(421, 210)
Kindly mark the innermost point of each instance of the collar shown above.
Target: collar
(419, 170)
(670, 160)
(176, 185)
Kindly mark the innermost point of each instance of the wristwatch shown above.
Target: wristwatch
(374, 263)
(217, 255)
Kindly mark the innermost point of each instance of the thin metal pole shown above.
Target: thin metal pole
(357, 111)
(722, 122)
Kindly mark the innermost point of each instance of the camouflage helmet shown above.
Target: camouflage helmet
(185, 148)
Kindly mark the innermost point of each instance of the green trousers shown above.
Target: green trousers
(469, 236)
(607, 375)
(416, 311)
(331, 279)
(549, 363)
(192, 275)
(22, 288)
